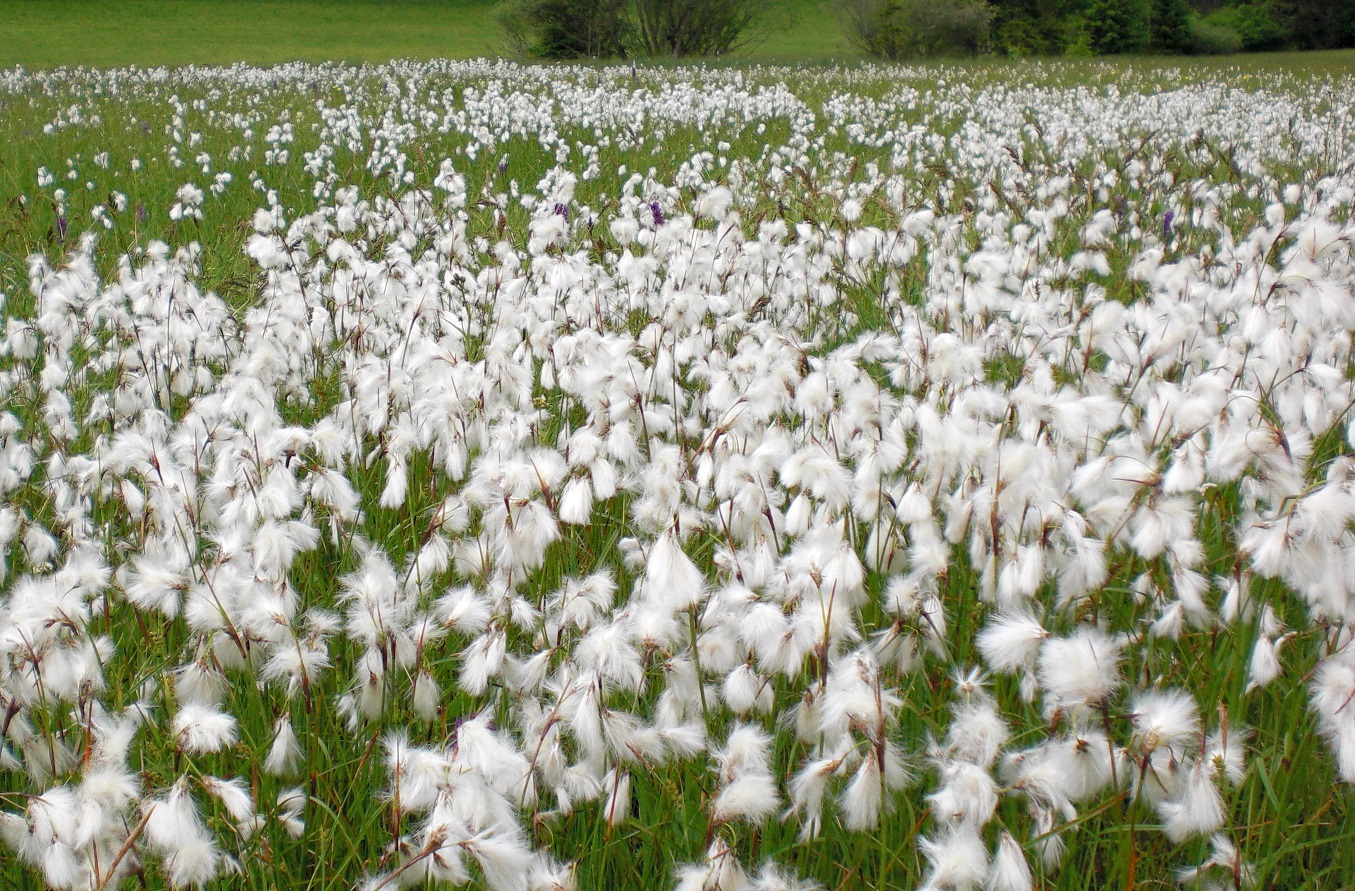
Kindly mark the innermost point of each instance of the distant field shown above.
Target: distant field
(262, 32)
(266, 32)
(147, 33)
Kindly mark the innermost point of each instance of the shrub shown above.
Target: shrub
(681, 28)
(1117, 26)
(565, 29)
(1169, 26)
(574, 29)
(1208, 38)
(1033, 37)
(901, 29)
(1257, 24)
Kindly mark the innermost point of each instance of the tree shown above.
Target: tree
(1169, 26)
(700, 27)
(571, 29)
(1117, 26)
(1318, 24)
(1034, 27)
(565, 29)
(1257, 22)
(901, 29)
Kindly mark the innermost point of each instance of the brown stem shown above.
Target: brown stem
(125, 849)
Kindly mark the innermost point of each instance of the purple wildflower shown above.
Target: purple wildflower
(561, 210)
(657, 213)
(1167, 225)
(62, 224)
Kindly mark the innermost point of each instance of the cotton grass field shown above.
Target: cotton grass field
(459, 474)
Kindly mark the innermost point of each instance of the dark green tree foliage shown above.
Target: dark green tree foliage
(681, 28)
(1116, 27)
(1318, 24)
(565, 29)
(906, 29)
(1034, 27)
(1256, 22)
(572, 29)
(1169, 26)
(1208, 38)
(896, 29)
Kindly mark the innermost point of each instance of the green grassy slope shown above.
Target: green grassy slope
(111, 33)
(108, 33)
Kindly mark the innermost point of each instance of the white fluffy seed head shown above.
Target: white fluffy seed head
(1009, 871)
(1164, 718)
(1080, 670)
(957, 859)
(1196, 810)
(285, 752)
(201, 729)
(1011, 641)
(748, 789)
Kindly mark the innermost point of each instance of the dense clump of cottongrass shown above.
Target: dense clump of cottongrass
(674, 502)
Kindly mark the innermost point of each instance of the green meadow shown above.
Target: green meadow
(266, 32)
(818, 160)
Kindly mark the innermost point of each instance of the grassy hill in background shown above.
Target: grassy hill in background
(110, 33)
(106, 33)
(148, 33)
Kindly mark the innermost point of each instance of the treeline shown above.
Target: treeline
(1101, 27)
(901, 29)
